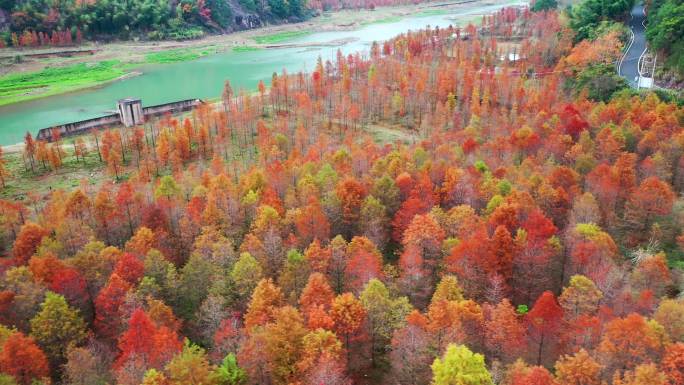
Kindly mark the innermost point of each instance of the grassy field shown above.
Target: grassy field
(178, 55)
(386, 133)
(245, 48)
(280, 37)
(57, 80)
(71, 175)
(51, 81)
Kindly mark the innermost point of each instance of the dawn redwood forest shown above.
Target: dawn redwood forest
(476, 205)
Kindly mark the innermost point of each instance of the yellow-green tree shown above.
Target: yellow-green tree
(246, 274)
(154, 377)
(190, 367)
(384, 315)
(460, 366)
(229, 373)
(57, 327)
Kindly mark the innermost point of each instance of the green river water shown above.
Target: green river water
(204, 78)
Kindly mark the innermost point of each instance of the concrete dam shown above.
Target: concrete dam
(130, 112)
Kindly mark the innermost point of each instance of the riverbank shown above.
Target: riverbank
(33, 74)
(51, 81)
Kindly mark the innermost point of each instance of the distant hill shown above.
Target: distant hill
(147, 19)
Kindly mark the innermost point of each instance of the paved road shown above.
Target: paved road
(629, 69)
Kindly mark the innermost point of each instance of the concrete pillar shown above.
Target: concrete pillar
(130, 112)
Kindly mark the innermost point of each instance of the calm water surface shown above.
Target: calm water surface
(202, 78)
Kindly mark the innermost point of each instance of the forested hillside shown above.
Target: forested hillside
(48, 22)
(456, 206)
(666, 31)
(589, 18)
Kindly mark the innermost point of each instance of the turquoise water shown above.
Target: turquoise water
(203, 78)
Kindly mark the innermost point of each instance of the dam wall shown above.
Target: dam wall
(180, 106)
(118, 119)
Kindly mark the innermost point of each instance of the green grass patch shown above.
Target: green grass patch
(280, 37)
(68, 177)
(245, 48)
(177, 55)
(388, 134)
(51, 81)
